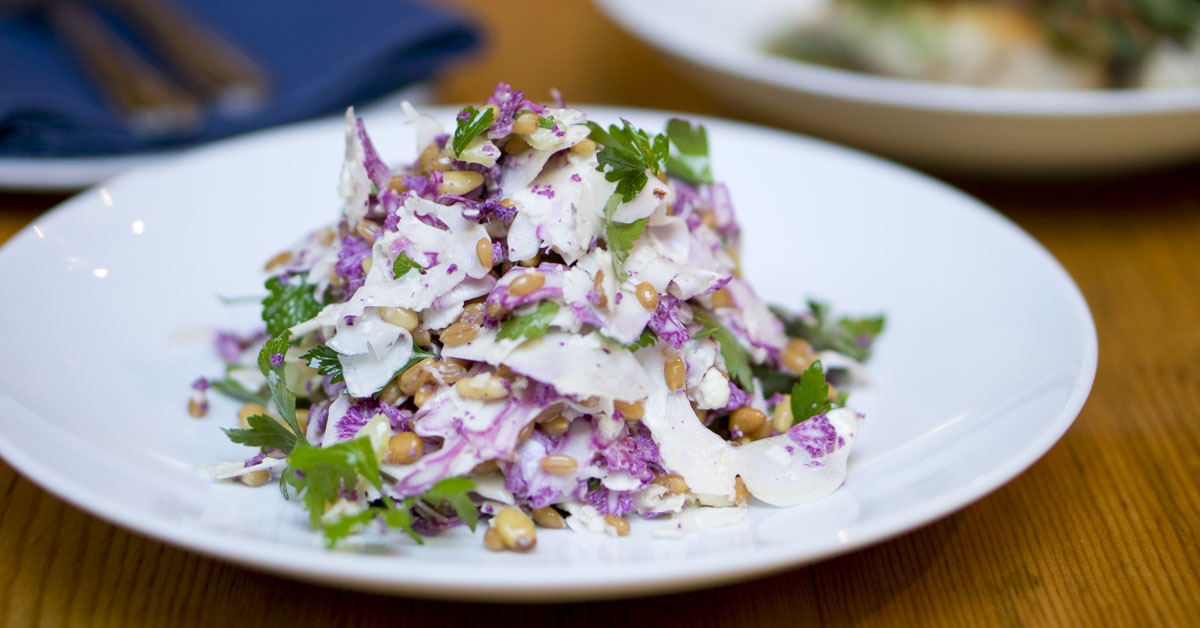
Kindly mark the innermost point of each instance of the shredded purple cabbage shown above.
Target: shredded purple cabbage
(349, 263)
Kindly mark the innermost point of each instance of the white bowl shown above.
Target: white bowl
(948, 127)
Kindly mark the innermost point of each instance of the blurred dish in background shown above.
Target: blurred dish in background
(962, 128)
(1038, 44)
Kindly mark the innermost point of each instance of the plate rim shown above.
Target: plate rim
(486, 582)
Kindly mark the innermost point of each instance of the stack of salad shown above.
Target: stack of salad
(539, 315)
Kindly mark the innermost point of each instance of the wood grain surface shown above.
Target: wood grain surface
(1102, 531)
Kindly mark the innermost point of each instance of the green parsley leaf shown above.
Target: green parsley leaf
(547, 122)
(531, 325)
(264, 432)
(688, 160)
(809, 397)
(393, 517)
(288, 304)
(477, 121)
(326, 362)
(737, 359)
(647, 339)
(593, 485)
(774, 382)
(403, 264)
(852, 337)
(235, 390)
(629, 152)
(620, 237)
(327, 470)
(285, 400)
(454, 490)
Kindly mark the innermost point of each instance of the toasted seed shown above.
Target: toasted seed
(647, 296)
(527, 283)
(326, 236)
(430, 159)
(620, 525)
(278, 260)
(495, 111)
(249, 410)
(472, 313)
(548, 517)
(459, 182)
(495, 311)
(516, 146)
(675, 372)
(709, 219)
(674, 484)
(196, 409)
(424, 394)
(391, 394)
(631, 411)
(746, 420)
(422, 337)
(598, 288)
(741, 494)
(516, 530)
(396, 184)
(737, 262)
(556, 427)
(584, 148)
(781, 417)
(531, 262)
(797, 355)
(831, 394)
(492, 541)
(459, 334)
(484, 386)
(722, 298)
(509, 203)
(483, 251)
(255, 478)
(301, 420)
(368, 229)
(410, 379)
(559, 464)
(405, 448)
(526, 432)
(526, 123)
(486, 467)
(400, 317)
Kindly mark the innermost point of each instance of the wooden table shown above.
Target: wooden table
(1102, 531)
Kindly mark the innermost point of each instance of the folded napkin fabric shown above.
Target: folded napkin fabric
(321, 56)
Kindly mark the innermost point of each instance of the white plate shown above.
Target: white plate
(67, 174)
(980, 130)
(988, 357)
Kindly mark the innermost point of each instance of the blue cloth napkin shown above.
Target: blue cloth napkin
(321, 55)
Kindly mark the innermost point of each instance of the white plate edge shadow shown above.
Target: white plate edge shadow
(606, 582)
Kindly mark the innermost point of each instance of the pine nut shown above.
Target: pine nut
(400, 317)
(256, 478)
(585, 148)
(196, 409)
(528, 283)
(391, 393)
(484, 386)
(459, 182)
(367, 263)
(325, 236)
(548, 517)
(301, 420)
(531, 262)
(559, 464)
(741, 494)
(526, 432)
(620, 525)
(495, 112)
(526, 123)
(396, 184)
(483, 251)
(429, 159)
(722, 298)
(709, 219)
(472, 313)
(278, 260)
(675, 372)
(405, 448)
(368, 229)
(485, 468)
(647, 296)
(746, 420)
(631, 411)
(781, 418)
(495, 311)
(410, 379)
(424, 394)
(598, 288)
(491, 540)
(516, 530)
(422, 337)
(459, 334)
(831, 394)
(797, 355)
(674, 484)
(516, 146)
(249, 410)
(556, 427)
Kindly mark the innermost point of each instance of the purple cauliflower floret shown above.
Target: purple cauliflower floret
(666, 324)
(349, 263)
(817, 436)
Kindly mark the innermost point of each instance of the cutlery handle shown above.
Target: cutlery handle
(205, 60)
(151, 104)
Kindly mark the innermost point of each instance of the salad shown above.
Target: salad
(540, 322)
(1044, 44)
